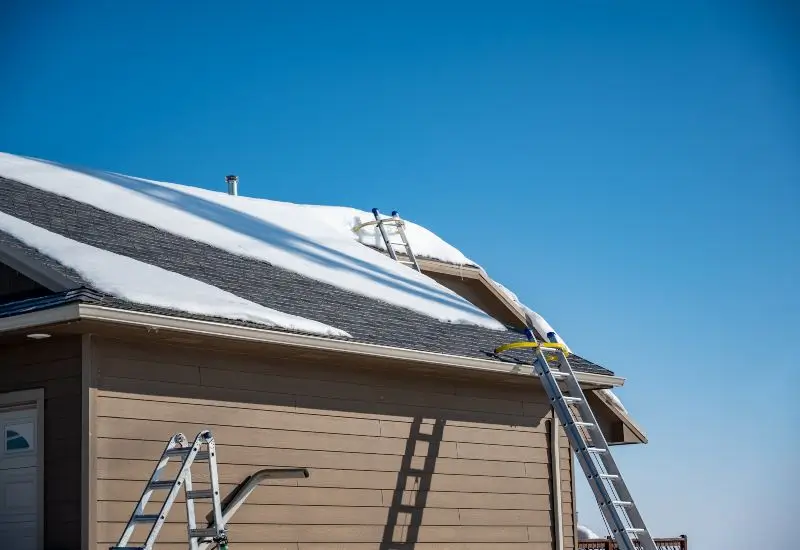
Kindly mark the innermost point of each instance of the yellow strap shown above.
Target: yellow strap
(520, 345)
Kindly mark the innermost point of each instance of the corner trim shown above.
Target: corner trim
(88, 445)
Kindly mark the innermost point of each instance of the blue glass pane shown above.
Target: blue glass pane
(15, 442)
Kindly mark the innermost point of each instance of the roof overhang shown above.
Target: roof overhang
(79, 312)
(478, 276)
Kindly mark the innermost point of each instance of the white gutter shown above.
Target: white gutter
(76, 312)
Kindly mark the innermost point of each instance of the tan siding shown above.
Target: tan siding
(54, 365)
(490, 487)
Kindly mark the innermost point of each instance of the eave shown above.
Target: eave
(81, 312)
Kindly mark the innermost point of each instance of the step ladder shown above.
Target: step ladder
(179, 448)
(587, 440)
(392, 221)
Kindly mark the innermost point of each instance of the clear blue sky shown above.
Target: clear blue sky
(656, 150)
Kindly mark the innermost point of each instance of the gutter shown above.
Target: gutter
(88, 312)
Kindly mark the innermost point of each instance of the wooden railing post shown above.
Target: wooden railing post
(609, 543)
(685, 543)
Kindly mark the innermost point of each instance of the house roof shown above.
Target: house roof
(365, 318)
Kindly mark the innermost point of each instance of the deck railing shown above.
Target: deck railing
(679, 543)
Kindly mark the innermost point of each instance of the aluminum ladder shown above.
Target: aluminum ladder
(590, 445)
(398, 223)
(179, 447)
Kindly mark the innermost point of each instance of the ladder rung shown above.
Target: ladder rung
(200, 493)
(178, 451)
(636, 530)
(208, 532)
(183, 451)
(416, 472)
(608, 476)
(584, 424)
(146, 518)
(559, 374)
(621, 503)
(163, 484)
(568, 399)
(598, 450)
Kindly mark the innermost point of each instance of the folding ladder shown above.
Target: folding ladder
(178, 447)
(590, 445)
(393, 221)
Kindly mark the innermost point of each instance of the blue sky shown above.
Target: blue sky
(654, 149)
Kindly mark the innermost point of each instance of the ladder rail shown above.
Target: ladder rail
(389, 247)
(597, 445)
(184, 474)
(174, 442)
(609, 464)
(401, 229)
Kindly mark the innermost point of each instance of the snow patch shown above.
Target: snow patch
(147, 284)
(615, 400)
(315, 241)
(584, 533)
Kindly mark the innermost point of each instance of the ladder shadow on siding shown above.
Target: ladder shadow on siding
(404, 520)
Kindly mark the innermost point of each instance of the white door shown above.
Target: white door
(18, 478)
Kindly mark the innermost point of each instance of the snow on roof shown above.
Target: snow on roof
(539, 323)
(147, 284)
(314, 241)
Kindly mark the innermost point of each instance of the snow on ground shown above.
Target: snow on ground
(147, 284)
(315, 241)
(584, 533)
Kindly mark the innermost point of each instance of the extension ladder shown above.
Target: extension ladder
(178, 447)
(396, 222)
(590, 445)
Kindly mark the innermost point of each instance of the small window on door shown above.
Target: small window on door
(19, 437)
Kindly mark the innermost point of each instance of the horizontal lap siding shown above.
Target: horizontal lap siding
(350, 427)
(55, 365)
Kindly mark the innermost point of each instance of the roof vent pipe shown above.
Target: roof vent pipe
(233, 184)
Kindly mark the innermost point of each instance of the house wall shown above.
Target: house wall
(55, 366)
(15, 286)
(488, 488)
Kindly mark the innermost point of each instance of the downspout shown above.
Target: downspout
(555, 460)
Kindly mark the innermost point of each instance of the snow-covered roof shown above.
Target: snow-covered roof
(284, 265)
(151, 285)
(307, 239)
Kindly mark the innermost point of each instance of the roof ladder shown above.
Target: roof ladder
(214, 533)
(399, 224)
(587, 440)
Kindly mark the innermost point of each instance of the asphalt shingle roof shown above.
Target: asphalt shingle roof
(366, 319)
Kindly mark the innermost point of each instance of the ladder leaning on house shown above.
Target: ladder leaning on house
(392, 221)
(587, 440)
